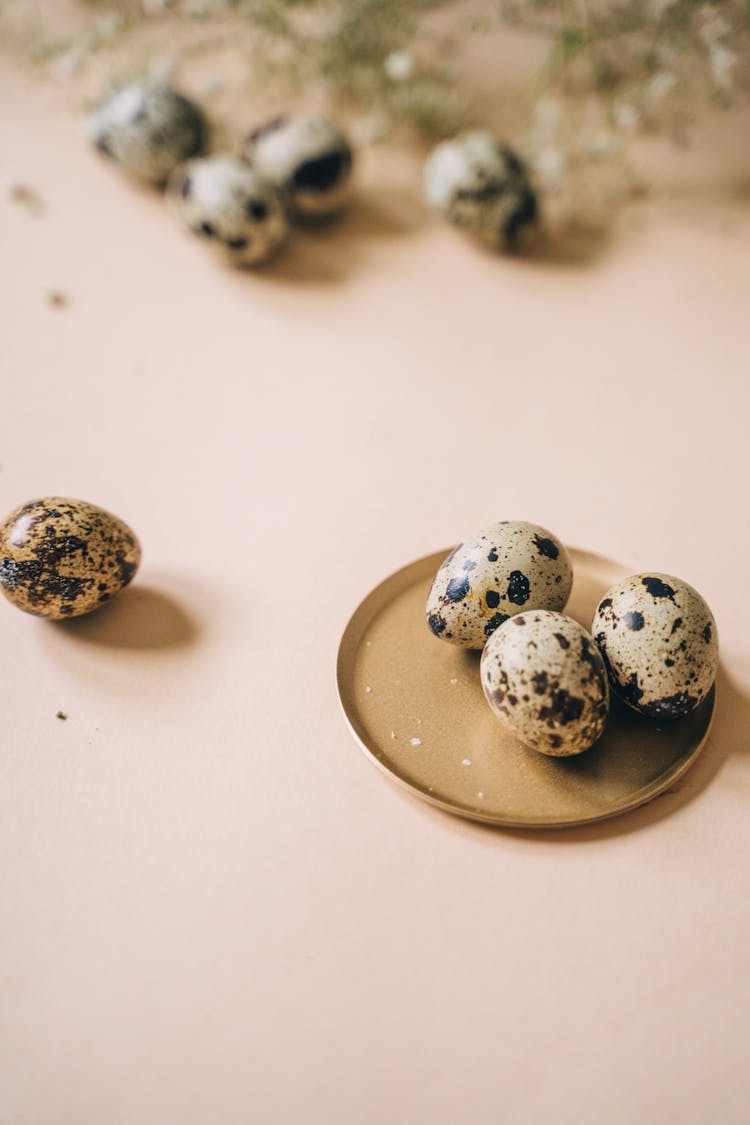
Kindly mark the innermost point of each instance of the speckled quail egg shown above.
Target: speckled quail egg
(226, 202)
(508, 567)
(546, 681)
(148, 128)
(658, 638)
(479, 184)
(308, 156)
(63, 558)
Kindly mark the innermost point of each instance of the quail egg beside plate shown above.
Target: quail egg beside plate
(308, 156)
(232, 207)
(62, 558)
(479, 184)
(148, 128)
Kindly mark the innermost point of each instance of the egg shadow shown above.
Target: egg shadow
(732, 718)
(568, 246)
(327, 250)
(140, 617)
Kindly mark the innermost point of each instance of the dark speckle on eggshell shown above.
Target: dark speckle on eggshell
(657, 588)
(495, 622)
(457, 589)
(546, 547)
(518, 588)
(436, 623)
(633, 620)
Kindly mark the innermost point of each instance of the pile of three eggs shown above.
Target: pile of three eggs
(297, 165)
(546, 678)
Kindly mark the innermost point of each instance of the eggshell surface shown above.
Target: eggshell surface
(148, 128)
(506, 568)
(308, 156)
(546, 681)
(658, 638)
(479, 184)
(236, 211)
(62, 558)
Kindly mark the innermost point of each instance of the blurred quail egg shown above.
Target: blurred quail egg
(479, 184)
(226, 202)
(508, 567)
(308, 156)
(148, 128)
(658, 638)
(546, 681)
(63, 558)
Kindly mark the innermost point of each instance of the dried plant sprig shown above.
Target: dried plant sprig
(608, 70)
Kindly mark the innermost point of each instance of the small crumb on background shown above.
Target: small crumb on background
(60, 715)
(27, 196)
(57, 299)
(415, 741)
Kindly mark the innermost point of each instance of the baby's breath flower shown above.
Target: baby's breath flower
(399, 66)
(155, 7)
(549, 167)
(660, 86)
(722, 62)
(547, 116)
(626, 117)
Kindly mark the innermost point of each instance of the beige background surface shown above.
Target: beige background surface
(212, 907)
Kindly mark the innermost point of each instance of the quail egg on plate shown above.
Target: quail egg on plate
(507, 567)
(232, 207)
(62, 558)
(479, 184)
(658, 638)
(148, 128)
(308, 156)
(546, 681)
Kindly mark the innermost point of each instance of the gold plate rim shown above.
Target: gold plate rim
(365, 612)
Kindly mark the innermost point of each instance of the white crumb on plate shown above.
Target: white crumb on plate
(415, 741)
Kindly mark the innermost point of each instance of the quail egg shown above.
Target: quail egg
(63, 558)
(308, 156)
(507, 567)
(658, 638)
(148, 128)
(230, 205)
(546, 681)
(479, 184)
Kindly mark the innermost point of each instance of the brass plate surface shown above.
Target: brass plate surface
(415, 705)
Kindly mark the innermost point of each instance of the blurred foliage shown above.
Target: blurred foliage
(608, 69)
